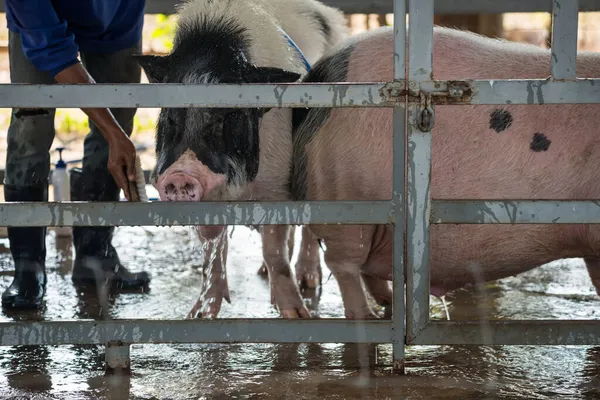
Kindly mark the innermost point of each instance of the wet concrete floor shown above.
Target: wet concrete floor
(330, 371)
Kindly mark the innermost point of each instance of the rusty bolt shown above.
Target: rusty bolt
(455, 92)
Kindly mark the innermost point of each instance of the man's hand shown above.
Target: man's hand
(121, 162)
(121, 158)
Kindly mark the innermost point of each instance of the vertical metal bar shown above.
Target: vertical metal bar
(420, 66)
(399, 40)
(398, 173)
(117, 358)
(565, 23)
(420, 40)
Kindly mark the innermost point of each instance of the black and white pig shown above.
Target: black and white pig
(212, 154)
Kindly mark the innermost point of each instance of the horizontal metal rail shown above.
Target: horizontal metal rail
(195, 331)
(194, 213)
(297, 95)
(290, 212)
(513, 91)
(385, 6)
(156, 95)
(515, 332)
(441, 6)
(515, 212)
(535, 91)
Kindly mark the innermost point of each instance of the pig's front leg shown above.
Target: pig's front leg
(593, 267)
(214, 274)
(308, 266)
(263, 271)
(285, 294)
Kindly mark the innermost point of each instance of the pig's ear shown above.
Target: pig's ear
(155, 67)
(270, 75)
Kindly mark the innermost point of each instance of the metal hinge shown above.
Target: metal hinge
(440, 93)
(448, 92)
(427, 94)
(394, 92)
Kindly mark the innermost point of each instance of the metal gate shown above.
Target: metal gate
(413, 99)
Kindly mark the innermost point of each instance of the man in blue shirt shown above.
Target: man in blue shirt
(45, 37)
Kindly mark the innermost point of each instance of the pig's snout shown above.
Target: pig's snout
(180, 187)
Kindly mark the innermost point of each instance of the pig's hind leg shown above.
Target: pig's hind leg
(285, 294)
(308, 266)
(377, 276)
(347, 250)
(381, 291)
(214, 278)
(593, 267)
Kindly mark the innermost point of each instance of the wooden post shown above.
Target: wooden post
(382, 20)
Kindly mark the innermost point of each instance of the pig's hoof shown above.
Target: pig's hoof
(308, 281)
(194, 311)
(286, 296)
(204, 312)
(308, 277)
(291, 308)
(209, 303)
(262, 271)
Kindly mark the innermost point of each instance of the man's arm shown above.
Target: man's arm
(50, 48)
(121, 155)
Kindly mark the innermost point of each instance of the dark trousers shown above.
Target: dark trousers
(30, 136)
(31, 132)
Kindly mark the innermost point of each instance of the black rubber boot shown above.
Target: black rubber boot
(96, 260)
(28, 249)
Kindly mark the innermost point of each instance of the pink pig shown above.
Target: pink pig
(478, 152)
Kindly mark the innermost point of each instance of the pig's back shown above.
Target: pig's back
(350, 156)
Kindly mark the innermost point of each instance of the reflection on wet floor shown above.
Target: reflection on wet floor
(560, 290)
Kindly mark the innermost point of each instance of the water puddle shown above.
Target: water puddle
(213, 371)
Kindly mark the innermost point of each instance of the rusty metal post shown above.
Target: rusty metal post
(117, 358)
(399, 182)
(421, 117)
